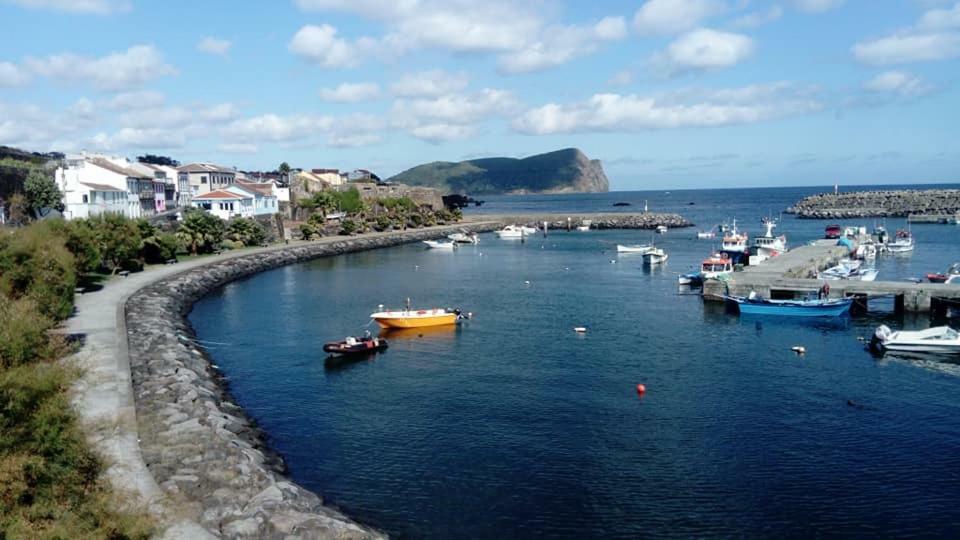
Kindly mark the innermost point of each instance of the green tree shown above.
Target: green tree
(36, 264)
(200, 232)
(81, 240)
(41, 191)
(119, 240)
(245, 231)
(156, 246)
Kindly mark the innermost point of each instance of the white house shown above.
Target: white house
(97, 184)
(202, 178)
(240, 200)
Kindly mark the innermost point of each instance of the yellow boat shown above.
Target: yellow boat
(416, 318)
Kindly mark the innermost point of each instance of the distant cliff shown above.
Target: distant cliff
(564, 171)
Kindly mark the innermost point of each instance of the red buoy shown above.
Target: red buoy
(641, 389)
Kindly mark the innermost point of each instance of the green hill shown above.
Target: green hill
(562, 171)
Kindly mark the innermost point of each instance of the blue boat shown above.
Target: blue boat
(757, 305)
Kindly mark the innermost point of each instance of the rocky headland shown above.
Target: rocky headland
(879, 203)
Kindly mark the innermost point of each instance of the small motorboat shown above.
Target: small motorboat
(661, 229)
(512, 231)
(417, 318)
(464, 238)
(832, 232)
(692, 278)
(951, 275)
(937, 340)
(706, 235)
(814, 307)
(635, 248)
(355, 345)
(583, 228)
(437, 244)
(655, 256)
(902, 242)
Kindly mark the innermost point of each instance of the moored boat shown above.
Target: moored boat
(952, 274)
(937, 340)
(734, 242)
(902, 242)
(417, 318)
(716, 266)
(634, 248)
(511, 231)
(437, 244)
(690, 278)
(355, 346)
(661, 229)
(706, 235)
(655, 256)
(816, 307)
(769, 245)
(464, 238)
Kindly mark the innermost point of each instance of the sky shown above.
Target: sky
(667, 93)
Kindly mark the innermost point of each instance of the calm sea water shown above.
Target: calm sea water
(514, 426)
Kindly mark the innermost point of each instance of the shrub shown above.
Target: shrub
(403, 203)
(118, 238)
(246, 232)
(347, 227)
(23, 333)
(308, 231)
(383, 223)
(35, 263)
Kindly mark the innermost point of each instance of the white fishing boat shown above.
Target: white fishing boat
(706, 235)
(511, 231)
(866, 251)
(438, 244)
(937, 340)
(661, 229)
(654, 257)
(716, 266)
(902, 243)
(769, 245)
(464, 238)
(734, 242)
(636, 248)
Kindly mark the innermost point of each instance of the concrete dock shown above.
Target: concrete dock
(793, 274)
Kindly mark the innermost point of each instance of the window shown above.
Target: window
(203, 179)
(86, 199)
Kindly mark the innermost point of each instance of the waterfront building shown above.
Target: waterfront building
(202, 178)
(95, 184)
(237, 201)
(158, 177)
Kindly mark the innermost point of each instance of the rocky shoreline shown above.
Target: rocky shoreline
(645, 220)
(202, 449)
(880, 203)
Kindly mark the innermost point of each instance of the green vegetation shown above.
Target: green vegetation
(332, 201)
(242, 232)
(50, 484)
(41, 191)
(200, 232)
(566, 169)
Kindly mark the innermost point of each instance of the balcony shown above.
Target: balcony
(147, 193)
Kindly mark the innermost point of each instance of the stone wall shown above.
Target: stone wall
(202, 449)
(646, 220)
(879, 203)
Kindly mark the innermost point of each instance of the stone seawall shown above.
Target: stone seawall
(646, 220)
(881, 203)
(201, 448)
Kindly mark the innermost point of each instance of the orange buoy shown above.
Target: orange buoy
(641, 389)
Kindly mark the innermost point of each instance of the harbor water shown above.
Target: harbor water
(513, 425)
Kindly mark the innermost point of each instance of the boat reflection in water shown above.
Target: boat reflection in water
(433, 333)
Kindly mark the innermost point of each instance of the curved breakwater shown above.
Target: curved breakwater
(201, 447)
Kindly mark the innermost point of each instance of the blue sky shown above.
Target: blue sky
(668, 93)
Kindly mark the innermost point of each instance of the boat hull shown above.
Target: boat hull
(792, 309)
(415, 321)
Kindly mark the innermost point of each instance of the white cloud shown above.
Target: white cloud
(562, 44)
(320, 45)
(453, 116)
(274, 128)
(907, 48)
(936, 36)
(12, 75)
(759, 18)
(237, 148)
(431, 83)
(817, 6)
(95, 7)
(440, 132)
(140, 138)
(625, 113)
(674, 16)
(116, 71)
(351, 93)
(353, 140)
(212, 45)
(142, 99)
(898, 82)
(377, 9)
(703, 49)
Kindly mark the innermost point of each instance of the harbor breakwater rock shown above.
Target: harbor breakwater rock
(201, 448)
(646, 220)
(880, 203)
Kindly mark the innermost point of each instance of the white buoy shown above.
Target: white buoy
(613, 261)
(527, 282)
(798, 349)
(580, 329)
